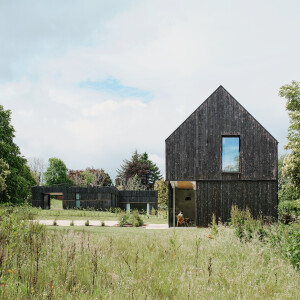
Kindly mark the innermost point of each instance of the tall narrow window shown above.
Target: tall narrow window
(77, 200)
(230, 154)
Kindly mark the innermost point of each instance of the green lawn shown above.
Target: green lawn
(56, 204)
(76, 214)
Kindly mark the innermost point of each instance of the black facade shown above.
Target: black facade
(194, 154)
(99, 198)
(138, 199)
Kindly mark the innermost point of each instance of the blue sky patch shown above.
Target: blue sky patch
(230, 154)
(115, 88)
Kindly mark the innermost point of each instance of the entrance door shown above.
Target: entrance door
(183, 199)
(77, 200)
(46, 201)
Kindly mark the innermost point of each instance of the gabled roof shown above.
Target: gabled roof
(220, 88)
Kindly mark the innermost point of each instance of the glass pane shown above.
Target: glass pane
(230, 154)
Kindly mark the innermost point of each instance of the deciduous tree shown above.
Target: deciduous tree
(89, 177)
(56, 172)
(286, 190)
(4, 172)
(18, 181)
(37, 167)
(96, 177)
(163, 193)
(291, 164)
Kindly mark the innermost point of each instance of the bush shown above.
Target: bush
(132, 218)
(287, 192)
(289, 211)
(20, 244)
(284, 238)
(117, 210)
(245, 226)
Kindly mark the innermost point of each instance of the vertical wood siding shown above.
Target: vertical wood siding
(217, 197)
(194, 152)
(99, 198)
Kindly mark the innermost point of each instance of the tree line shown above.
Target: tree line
(18, 175)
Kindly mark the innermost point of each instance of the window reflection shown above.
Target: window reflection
(230, 154)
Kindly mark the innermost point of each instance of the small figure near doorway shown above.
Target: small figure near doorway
(180, 219)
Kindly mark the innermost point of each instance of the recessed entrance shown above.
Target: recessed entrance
(53, 201)
(184, 200)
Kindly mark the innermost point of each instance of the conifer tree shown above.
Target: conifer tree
(139, 165)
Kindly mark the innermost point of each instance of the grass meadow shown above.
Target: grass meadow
(38, 262)
(56, 212)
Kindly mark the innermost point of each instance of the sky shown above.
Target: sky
(91, 81)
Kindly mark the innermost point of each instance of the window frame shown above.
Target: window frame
(77, 199)
(230, 136)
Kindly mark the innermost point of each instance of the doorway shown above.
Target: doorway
(184, 200)
(53, 201)
(77, 200)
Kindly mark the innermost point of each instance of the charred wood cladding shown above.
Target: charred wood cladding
(96, 197)
(228, 158)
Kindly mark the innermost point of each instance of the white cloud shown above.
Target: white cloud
(178, 51)
(111, 106)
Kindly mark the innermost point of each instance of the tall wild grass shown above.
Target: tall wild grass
(134, 263)
(283, 238)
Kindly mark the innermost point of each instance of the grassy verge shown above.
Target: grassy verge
(56, 204)
(72, 214)
(131, 263)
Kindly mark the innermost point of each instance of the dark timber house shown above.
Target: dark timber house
(97, 197)
(218, 157)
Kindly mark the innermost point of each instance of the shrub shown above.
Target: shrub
(245, 226)
(132, 218)
(289, 211)
(117, 210)
(284, 238)
(124, 219)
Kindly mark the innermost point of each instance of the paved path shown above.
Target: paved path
(156, 226)
(97, 223)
